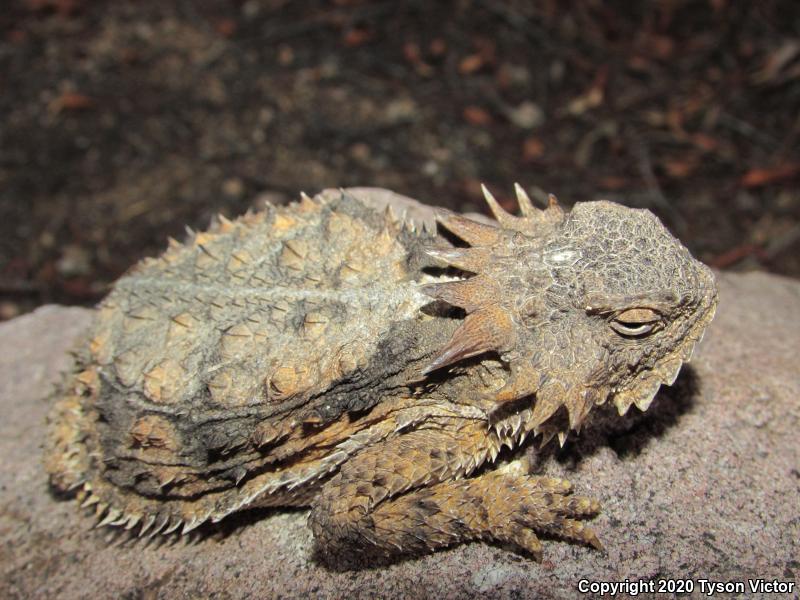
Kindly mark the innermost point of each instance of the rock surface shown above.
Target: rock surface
(706, 484)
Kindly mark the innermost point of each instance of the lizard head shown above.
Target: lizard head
(599, 303)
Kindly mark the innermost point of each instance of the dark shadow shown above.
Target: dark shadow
(60, 494)
(359, 560)
(629, 434)
(243, 519)
(369, 559)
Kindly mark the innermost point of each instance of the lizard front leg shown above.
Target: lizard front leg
(494, 506)
(406, 495)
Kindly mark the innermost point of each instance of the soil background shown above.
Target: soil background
(121, 122)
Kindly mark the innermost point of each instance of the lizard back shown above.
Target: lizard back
(204, 357)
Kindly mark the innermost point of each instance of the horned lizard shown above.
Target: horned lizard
(325, 354)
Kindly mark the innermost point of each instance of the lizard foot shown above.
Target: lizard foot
(519, 507)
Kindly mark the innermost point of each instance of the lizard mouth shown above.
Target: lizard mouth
(643, 388)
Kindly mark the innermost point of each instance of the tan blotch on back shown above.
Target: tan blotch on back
(260, 309)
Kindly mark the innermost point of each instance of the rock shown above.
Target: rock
(75, 261)
(527, 115)
(703, 485)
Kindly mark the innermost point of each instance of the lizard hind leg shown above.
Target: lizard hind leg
(352, 517)
(494, 506)
(408, 497)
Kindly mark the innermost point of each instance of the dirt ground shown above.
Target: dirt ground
(123, 121)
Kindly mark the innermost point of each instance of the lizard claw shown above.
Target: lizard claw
(523, 506)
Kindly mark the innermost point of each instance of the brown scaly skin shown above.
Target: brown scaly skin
(326, 355)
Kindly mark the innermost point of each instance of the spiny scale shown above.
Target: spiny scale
(532, 220)
(472, 232)
(488, 327)
(469, 294)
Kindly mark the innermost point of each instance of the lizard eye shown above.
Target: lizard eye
(635, 322)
